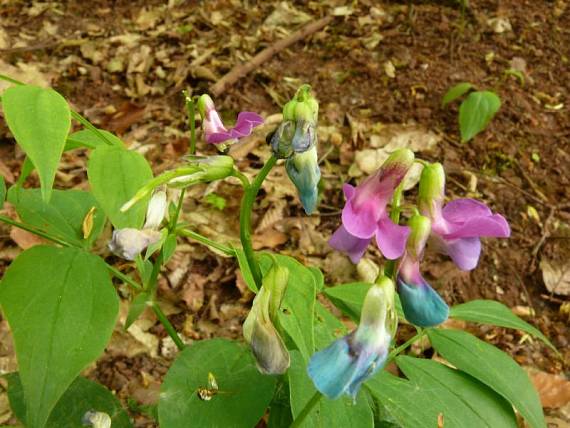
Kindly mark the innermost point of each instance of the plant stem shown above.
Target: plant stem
(396, 351)
(206, 241)
(123, 277)
(306, 410)
(167, 326)
(390, 269)
(35, 231)
(245, 219)
(190, 107)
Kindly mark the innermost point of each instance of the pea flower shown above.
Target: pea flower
(365, 213)
(457, 226)
(421, 304)
(214, 130)
(129, 242)
(259, 329)
(343, 366)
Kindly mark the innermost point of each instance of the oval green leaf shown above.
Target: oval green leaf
(40, 120)
(476, 112)
(463, 400)
(342, 412)
(63, 216)
(82, 396)
(241, 399)
(61, 307)
(115, 175)
(455, 92)
(491, 366)
(89, 139)
(495, 313)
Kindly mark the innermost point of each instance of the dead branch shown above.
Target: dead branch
(241, 70)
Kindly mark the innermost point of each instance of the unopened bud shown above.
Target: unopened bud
(157, 209)
(432, 188)
(420, 228)
(303, 170)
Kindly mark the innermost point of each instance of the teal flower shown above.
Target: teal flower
(343, 366)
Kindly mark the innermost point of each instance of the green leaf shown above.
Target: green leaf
(297, 310)
(492, 367)
(349, 298)
(495, 313)
(62, 217)
(476, 112)
(115, 176)
(243, 393)
(319, 278)
(327, 413)
(82, 396)
(327, 327)
(40, 120)
(89, 139)
(2, 192)
(169, 247)
(455, 92)
(61, 307)
(463, 400)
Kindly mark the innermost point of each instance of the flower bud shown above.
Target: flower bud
(303, 170)
(204, 169)
(431, 189)
(420, 228)
(128, 243)
(259, 330)
(157, 209)
(281, 140)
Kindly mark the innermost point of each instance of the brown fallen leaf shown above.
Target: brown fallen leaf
(269, 238)
(25, 239)
(554, 390)
(556, 276)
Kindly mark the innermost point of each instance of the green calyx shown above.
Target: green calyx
(432, 186)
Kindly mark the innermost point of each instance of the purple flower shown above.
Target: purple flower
(457, 226)
(214, 130)
(365, 213)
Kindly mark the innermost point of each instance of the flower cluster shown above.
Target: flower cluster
(296, 141)
(455, 230)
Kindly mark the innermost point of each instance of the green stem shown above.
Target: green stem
(241, 177)
(123, 277)
(206, 241)
(306, 410)
(167, 326)
(35, 231)
(390, 269)
(191, 109)
(245, 219)
(396, 351)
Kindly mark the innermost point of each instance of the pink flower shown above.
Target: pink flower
(214, 130)
(365, 214)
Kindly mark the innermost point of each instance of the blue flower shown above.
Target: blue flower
(343, 366)
(303, 170)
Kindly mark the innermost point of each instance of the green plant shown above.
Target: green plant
(61, 303)
(475, 111)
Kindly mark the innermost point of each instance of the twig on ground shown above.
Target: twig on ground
(241, 70)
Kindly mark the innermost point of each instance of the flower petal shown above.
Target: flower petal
(464, 252)
(333, 369)
(491, 226)
(361, 223)
(352, 246)
(245, 123)
(348, 190)
(421, 304)
(459, 210)
(391, 238)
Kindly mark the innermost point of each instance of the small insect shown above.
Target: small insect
(206, 394)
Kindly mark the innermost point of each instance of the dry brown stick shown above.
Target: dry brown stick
(241, 70)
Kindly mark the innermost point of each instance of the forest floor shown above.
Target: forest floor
(379, 70)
